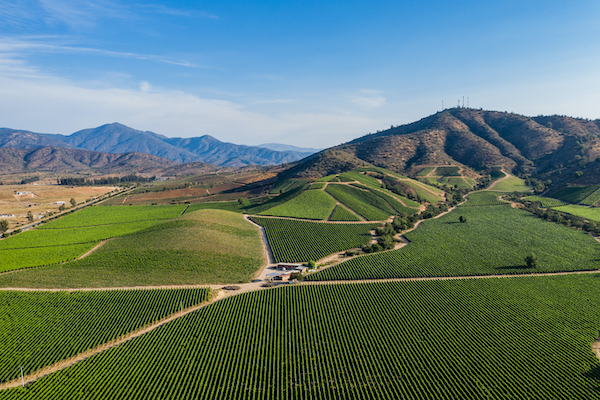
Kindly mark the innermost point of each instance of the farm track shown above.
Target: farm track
(218, 293)
(93, 249)
(215, 296)
(316, 221)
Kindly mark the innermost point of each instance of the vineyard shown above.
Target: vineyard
(425, 171)
(364, 179)
(591, 213)
(41, 328)
(483, 198)
(575, 194)
(511, 184)
(469, 339)
(592, 199)
(396, 205)
(301, 241)
(223, 205)
(311, 204)
(447, 171)
(206, 246)
(341, 213)
(366, 204)
(92, 216)
(545, 201)
(69, 237)
(494, 240)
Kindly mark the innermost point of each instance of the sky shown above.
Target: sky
(306, 73)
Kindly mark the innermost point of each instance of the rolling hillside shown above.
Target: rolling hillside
(58, 159)
(471, 138)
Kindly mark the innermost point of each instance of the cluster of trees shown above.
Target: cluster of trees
(112, 180)
(550, 214)
(30, 180)
(399, 188)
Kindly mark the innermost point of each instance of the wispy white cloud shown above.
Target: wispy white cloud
(162, 9)
(31, 99)
(369, 98)
(82, 13)
(18, 47)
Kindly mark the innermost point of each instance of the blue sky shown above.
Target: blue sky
(308, 73)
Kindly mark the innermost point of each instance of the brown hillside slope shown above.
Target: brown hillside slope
(467, 137)
(58, 159)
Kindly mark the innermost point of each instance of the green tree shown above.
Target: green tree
(311, 264)
(3, 225)
(531, 261)
(73, 202)
(462, 219)
(61, 208)
(30, 216)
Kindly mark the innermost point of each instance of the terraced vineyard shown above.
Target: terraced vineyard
(311, 204)
(206, 246)
(341, 213)
(494, 240)
(300, 241)
(370, 206)
(41, 328)
(408, 340)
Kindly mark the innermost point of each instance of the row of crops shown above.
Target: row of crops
(483, 198)
(311, 204)
(511, 184)
(341, 213)
(545, 201)
(577, 194)
(494, 240)
(591, 213)
(364, 203)
(301, 241)
(206, 246)
(470, 339)
(71, 236)
(41, 328)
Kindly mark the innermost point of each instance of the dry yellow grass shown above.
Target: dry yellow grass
(41, 198)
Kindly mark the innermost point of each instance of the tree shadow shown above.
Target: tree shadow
(594, 373)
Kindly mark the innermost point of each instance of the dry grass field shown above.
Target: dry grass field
(40, 198)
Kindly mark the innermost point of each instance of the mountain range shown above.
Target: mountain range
(61, 159)
(118, 138)
(553, 147)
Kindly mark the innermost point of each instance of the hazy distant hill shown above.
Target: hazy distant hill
(26, 140)
(212, 151)
(474, 138)
(60, 159)
(287, 147)
(118, 138)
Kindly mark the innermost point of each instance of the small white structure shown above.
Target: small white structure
(288, 266)
(21, 193)
(60, 202)
(7, 215)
